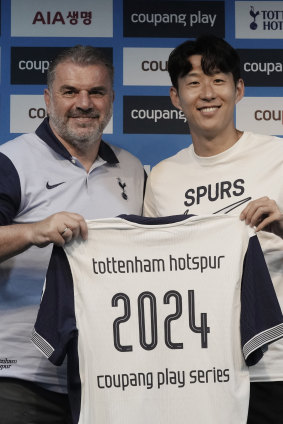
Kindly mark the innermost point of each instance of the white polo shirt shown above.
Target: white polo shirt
(38, 177)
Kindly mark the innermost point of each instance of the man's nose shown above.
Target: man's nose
(83, 100)
(207, 91)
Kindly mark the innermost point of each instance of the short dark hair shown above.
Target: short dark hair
(217, 55)
(79, 55)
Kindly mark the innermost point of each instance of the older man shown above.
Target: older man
(50, 182)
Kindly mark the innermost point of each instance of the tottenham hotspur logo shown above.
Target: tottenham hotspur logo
(253, 25)
(123, 187)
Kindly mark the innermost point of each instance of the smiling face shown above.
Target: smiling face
(79, 103)
(207, 101)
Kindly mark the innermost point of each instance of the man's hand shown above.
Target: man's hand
(263, 214)
(59, 229)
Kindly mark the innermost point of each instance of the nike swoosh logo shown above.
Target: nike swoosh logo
(50, 186)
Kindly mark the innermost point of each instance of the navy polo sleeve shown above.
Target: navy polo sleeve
(10, 191)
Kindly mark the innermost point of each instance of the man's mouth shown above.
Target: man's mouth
(208, 109)
(84, 116)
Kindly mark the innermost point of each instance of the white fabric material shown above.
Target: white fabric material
(114, 276)
(93, 195)
(252, 168)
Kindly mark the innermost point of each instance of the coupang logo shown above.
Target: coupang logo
(269, 115)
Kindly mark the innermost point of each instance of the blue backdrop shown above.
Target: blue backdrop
(139, 35)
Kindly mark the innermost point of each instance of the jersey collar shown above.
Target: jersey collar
(46, 134)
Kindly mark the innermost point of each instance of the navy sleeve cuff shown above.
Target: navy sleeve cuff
(10, 191)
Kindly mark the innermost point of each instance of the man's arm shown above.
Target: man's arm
(59, 229)
(263, 214)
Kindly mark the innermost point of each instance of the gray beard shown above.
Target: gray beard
(80, 142)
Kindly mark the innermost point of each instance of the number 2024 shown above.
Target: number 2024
(202, 329)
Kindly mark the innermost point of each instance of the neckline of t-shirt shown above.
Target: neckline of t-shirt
(223, 155)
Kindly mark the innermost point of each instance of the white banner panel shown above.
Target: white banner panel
(53, 18)
(146, 66)
(261, 115)
(28, 111)
(259, 19)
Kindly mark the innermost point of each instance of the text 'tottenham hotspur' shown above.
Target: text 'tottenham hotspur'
(135, 265)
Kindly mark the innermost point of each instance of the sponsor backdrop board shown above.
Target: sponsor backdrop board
(138, 36)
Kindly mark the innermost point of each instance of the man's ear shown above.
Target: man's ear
(240, 90)
(47, 99)
(175, 98)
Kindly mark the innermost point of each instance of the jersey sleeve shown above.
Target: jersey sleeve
(261, 316)
(55, 326)
(10, 191)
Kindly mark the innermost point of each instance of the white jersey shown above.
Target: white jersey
(159, 319)
(225, 183)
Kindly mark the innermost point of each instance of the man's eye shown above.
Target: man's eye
(96, 93)
(68, 93)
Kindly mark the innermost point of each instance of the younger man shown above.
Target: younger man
(225, 170)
